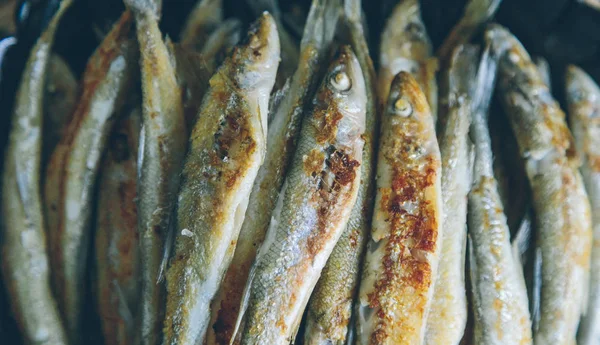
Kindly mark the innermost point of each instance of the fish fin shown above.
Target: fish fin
(522, 240)
(537, 288)
(169, 239)
(486, 80)
(171, 52)
(152, 7)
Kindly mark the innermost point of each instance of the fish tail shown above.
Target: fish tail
(486, 79)
(145, 6)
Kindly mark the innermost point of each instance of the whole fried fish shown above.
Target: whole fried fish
(227, 147)
(330, 308)
(564, 231)
(281, 138)
(117, 240)
(72, 171)
(583, 99)
(402, 255)
(25, 268)
(163, 142)
(313, 207)
(405, 46)
(448, 317)
(500, 300)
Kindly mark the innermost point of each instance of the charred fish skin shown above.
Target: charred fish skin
(160, 157)
(476, 13)
(59, 101)
(25, 266)
(405, 46)
(282, 136)
(583, 100)
(402, 255)
(117, 252)
(448, 317)
(330, 308)
(73, 167)
(227, 147)
(499, 293)
(559, 198)
(313, 207)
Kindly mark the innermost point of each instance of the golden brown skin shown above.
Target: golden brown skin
(227, 146)
(72, 170)
(117, 240)
(402, 255)
(24, 253)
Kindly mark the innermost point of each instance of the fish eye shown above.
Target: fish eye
(340, 81)
(402, 107)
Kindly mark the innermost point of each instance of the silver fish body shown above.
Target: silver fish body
(281, 138)
(400, 267)
(313, 207)
(227, 147)
(583, 99)
(405, 46)
(330, 308)
(72, 171)
(562, 209)
(448, 317)
(25, 267)
(500, 301)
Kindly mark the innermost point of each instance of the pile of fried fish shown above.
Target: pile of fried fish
(235, 187)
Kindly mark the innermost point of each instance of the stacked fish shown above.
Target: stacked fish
(231, 190)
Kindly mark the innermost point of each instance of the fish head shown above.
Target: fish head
(407, 108)
(405, 34)
(258, 55)
(580, 86)
(344, 87)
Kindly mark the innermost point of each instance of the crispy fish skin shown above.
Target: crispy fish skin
(499, 293)
(448, 317)
(405, 46)
(476, 13)
(583, 100)
(559, 198)
(73, 167)
(402, 254)
(59, 101)
(227, 147)
(117, 240)
(330, 308)
(206, 17)
(281, 138)
(313, 207)
(163, 142)
(24, 261)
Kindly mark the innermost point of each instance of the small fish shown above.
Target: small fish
(25, 267)
(227, 147)
(583, 100)
(281, 138)
(163, 143)
(330, 308)
(544, 68)
(500, 301)
(403, 251)
(405, 46)
(220, 43)
(562, 210)
(117, 240)
(448, 317)
(206, 17)
(72, 170)
(59, 102)
(313, 207)
(476, 14)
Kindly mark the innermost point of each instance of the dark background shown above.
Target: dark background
(562, 31)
